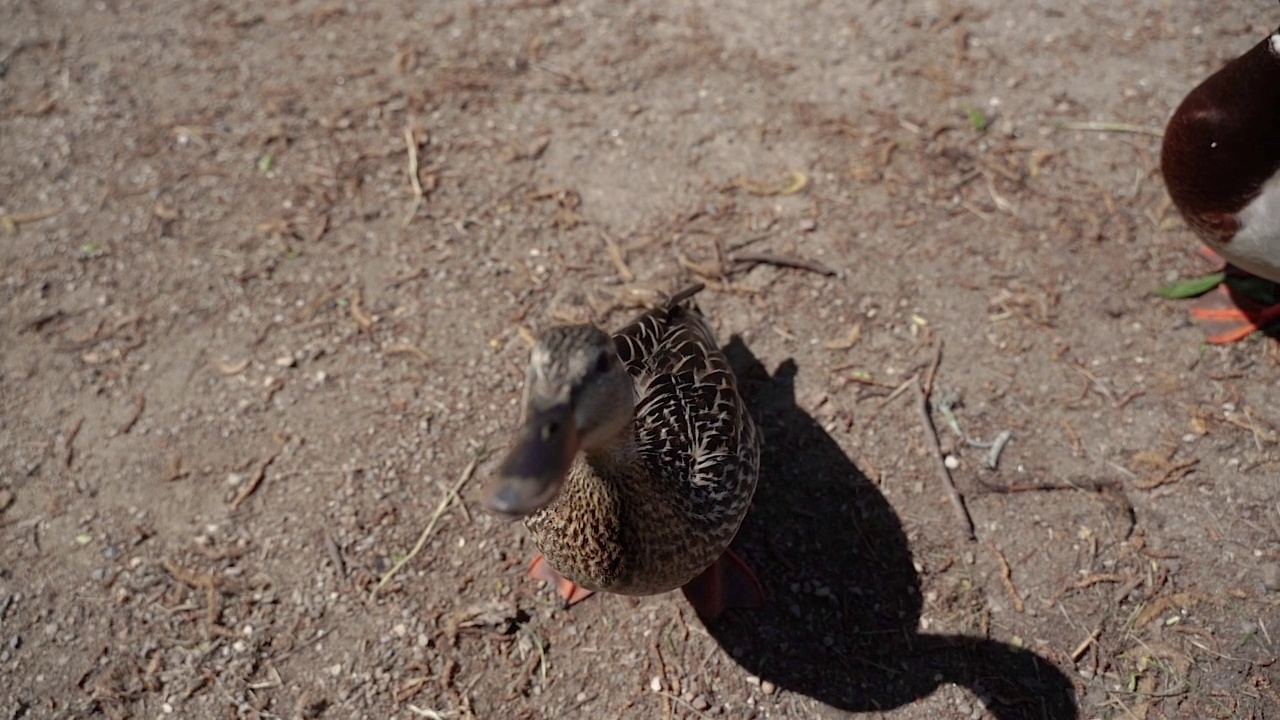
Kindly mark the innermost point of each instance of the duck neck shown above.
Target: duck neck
(616, 457)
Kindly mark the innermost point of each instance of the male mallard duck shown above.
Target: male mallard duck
(1220, 156)
(636, 461)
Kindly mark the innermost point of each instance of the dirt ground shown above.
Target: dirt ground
(247, 355)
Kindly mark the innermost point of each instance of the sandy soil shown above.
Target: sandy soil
(245, 356)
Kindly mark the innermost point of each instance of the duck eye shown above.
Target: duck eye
(550, 430)
(602, 362)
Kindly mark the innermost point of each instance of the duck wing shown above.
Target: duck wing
(692, 427)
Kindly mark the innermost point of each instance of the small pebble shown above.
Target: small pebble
(700, 703)
(767, 687)
(6, 499)
(655, 684)
(1271, 577)
(951, 462)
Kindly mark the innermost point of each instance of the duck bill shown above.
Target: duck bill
(533, 472)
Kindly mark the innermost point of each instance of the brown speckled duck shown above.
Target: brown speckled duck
(636, 461)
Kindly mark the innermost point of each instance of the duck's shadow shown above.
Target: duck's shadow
(843, 600)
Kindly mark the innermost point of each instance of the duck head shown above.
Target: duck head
(1222, 145)
(577, 396)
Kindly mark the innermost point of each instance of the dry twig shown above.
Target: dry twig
(68, 443)
(335, 555)
(258, 475)
(10, 223)
(406, 349)
(1006, 578)
(749, 260)
(140, 404)
(933, 371)
(618, 258)
(1110, 127)
(362, 318)
(931, 435)
(412, 143)
(1084, 645)
(449, 497)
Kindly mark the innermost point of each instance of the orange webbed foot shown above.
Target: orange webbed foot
(728, 583)
(1226, 315)
(569, 591)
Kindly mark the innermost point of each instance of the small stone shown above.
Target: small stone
(15, 642)
(1271, 577)
(400, 630)
(753, 680)
(700, 703)
(655, 684)
(767, 687)
(951, 462)
(6, 499)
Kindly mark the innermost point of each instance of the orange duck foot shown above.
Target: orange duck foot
(728, 583)
(569, 591)
(1227, 315)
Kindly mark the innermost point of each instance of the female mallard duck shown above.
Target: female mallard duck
(668, 463)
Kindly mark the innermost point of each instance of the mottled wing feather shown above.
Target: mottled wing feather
(692, 428)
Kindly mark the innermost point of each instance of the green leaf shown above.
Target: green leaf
(1190, 287)
(265, 163)
(977, 118)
